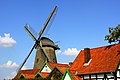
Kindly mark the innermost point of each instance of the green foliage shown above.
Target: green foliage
(114, 34)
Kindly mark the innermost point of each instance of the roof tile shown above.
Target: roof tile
(104, 59)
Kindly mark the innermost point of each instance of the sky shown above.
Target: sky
(78, 24)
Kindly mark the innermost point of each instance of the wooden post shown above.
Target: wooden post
(83, 77)
(89, 77)
(96, 76)
(115, 75)
(105, 76)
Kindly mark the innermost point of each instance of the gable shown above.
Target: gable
(67, 75)
(38, 76)
(46, 68)
(56, 74)
(22, 76)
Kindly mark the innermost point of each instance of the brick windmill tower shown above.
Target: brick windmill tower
(45, 48)
(49, 47)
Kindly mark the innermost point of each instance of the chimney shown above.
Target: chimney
(70, 64)
(86, 55)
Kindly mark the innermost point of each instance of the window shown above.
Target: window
(37, 60)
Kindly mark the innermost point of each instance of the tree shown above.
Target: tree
(114, 34)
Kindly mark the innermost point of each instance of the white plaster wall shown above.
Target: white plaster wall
(119, 67)
(118, 73)
(100, 75)
(110, 75)
(93, 76)
(86, 77)
(46, 69)
(67, 77)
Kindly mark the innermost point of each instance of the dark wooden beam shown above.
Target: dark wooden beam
(89, 77)
(96, 76)
(115, 75)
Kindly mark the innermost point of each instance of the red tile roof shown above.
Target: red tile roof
(29, 76)
(32, 72)
(57, 65)
(27, 73)
(44, 74)
(104, 59)
(62, 67)
(74, 76)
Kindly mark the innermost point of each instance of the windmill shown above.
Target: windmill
(42, 44)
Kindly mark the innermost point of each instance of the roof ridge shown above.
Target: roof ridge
(104, 46)
(55, 63)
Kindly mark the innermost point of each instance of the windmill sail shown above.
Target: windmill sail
(32, 33)
(26, 58)
(44, 52)
(47, 21)
(50, 22)
(29, 31)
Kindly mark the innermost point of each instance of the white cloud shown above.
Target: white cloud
(9, 64)
(7, 41)
(14, 73)
(11, 76)
(58, 51)
(71, 52)
(10, 68)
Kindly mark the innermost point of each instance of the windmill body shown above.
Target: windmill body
(49, 47)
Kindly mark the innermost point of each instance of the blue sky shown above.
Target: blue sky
(78, 24)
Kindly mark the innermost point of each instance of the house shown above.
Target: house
(49, 70)
(70, 75)
(98, 63)
(56, 74)
(49, 66)
(101, 63)
(56, 70)
(26, 74)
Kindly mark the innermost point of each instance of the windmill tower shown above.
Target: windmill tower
(45, 48)
(50, 47)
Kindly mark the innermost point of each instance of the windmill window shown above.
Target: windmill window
(37, 60)
(53, 60)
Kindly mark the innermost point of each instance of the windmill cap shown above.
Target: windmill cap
(46, 42)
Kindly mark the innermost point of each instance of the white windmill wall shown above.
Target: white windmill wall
(46, 68)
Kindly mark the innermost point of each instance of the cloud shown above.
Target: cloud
(14, 73)
(9, 64)
(11, 76)
(9, 70)
(58, 51)
(71, 52)
(7, 41)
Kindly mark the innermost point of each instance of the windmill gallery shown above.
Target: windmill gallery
(101, 63)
